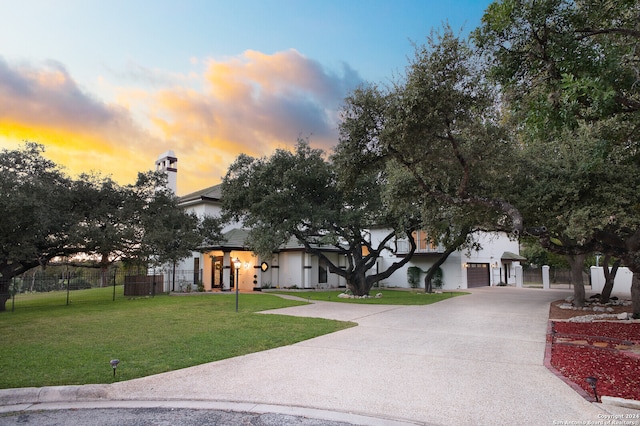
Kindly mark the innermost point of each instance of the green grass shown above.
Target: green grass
(45, 342)
(389, 297)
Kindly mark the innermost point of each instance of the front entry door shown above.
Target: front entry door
(216, 272)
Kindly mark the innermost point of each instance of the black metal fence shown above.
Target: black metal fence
(183, 280)
(59, 285)
(556, 276)
(45, 280)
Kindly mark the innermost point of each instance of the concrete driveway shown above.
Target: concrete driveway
(470, 360)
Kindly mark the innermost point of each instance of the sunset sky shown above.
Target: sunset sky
(109, 85)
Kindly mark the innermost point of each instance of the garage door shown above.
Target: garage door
(477, 274)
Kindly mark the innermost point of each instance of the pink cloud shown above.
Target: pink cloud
(252, 103)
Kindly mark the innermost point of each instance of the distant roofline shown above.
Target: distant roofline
(213, 193)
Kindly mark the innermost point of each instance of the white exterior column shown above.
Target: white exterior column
(275, 271)
(306, 273)
(545, 277)
(519, 275)
(226, 271)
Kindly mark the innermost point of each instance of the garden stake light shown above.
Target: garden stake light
(237, 264)
(593, 381)
(114, 363)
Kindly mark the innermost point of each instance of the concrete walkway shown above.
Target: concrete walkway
(470, 360)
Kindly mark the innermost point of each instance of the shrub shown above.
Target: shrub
(413, 276)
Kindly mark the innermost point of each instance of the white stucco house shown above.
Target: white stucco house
(291, 267)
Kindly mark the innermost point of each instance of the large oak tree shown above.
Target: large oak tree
(569, 73)
(37, 210)
(46, 215)
(300, 195)
(438, 135)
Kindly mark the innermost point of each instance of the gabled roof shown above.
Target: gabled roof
(213, 193)
(236, 239)
(507, 255)
(294, 245)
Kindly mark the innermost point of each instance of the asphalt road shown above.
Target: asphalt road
(155, 417)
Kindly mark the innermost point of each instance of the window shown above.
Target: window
(196, 270)
(423, 244)
(322, 271)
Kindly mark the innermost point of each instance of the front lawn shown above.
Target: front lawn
(46, 344)
(389, 297)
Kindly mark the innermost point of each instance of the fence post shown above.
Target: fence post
(519, 277)
(115, 272)
(68, 287)
(545, 277)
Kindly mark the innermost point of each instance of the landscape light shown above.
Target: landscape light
(593, 382)
(114, 363)
(238, 264)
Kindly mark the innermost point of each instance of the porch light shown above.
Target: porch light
(114, 364)
(237, 264)
(593, 381)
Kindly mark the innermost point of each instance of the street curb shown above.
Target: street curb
(620, 402)
(247, 407)
(52, 394)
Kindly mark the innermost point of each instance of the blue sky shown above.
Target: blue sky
(109, 85)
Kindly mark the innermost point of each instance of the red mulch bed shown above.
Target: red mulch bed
(607, 350)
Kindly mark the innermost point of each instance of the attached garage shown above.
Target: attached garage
(478, 275)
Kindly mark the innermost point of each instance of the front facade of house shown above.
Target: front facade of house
(494, 264)
(220, 267)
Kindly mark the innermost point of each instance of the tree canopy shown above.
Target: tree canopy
(299, 195)
(48, 215)
(568, 72)
(37, 209)
(437, 135)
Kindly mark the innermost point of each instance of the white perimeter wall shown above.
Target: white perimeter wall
(622, 283)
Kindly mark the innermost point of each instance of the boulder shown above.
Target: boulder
(565, 306)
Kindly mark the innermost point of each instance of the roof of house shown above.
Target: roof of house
(507, 255)
(236, 239)
(213, 193)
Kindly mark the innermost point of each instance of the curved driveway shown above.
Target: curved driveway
(474, 360)
(470, 360)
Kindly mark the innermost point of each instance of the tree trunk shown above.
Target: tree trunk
(577, 265)
(358, 283)
(635, 294)
(104, 267)
(609, 278)
(104, 278)
(4, 293)
(428, 280)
